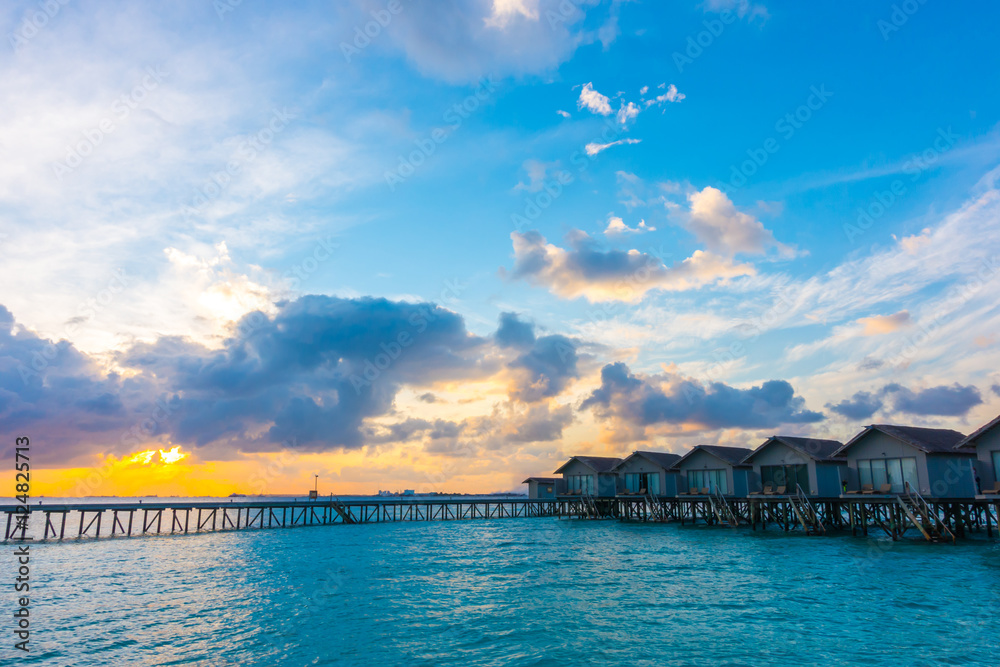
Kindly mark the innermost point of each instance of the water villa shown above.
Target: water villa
(712, 469)
(784, 463)
(650, 473)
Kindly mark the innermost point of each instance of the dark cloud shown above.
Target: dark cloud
(308, 378)
(62, 400)
(545, 370)
(943, 401)
(512, 332)
(995, 389)
(427, 397)
(592, 270)
(641, 401)
(314, 372)
(860, 406)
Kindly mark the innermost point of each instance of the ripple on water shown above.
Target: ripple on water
(513, 592)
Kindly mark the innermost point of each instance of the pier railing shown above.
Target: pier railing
(898, 516)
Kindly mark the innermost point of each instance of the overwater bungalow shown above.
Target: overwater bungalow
(886, 458)
(985, 442)
(542, 488)
(590, 476)
(783, 463)
(715, 469)
(649, 473)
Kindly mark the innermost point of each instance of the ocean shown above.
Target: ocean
(539, 591)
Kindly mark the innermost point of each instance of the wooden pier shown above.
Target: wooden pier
(897, 516)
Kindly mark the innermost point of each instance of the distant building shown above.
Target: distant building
(886, 458)
(715, 469)
(408, 492)
(590, 475)
(648, 472)
(985, 442)
(542, 488)
(783, 463)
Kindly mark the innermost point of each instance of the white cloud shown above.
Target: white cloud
(717, 223)
(617, 227)
(743, 8)
(671, 95)
(597, 274)
(594, 148)
(627, 112)
(564, 114)
(536, 171)
(593, 101)
(505, 10)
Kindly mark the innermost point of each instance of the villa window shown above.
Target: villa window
(894, 472)
(996, 466)
(580, 483)
(645, 482)
(787, 476)
(713, 480)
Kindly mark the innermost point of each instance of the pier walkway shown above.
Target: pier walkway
(897, 516)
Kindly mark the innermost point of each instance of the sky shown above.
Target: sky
(445, 245)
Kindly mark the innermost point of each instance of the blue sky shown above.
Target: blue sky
(783, 213)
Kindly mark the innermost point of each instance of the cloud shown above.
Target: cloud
(599, 274)
(670, 95)
(717, 223)
(564, 114)
(512, 332)
(595, 148)
(673, 399)
(460, 42)
(545, 370)
(883, 324)
(544, 365)
(915, 244)
(617, 227)
(537, 172)
(743, 8)
(944, 401)
(52, 393)
(506, 10)
(593, 101)
(627, 113)
(310, 375)
(427, 397)
(860, 406)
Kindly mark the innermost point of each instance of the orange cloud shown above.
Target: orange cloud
(883, 324)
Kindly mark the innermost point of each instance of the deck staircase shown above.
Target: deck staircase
(805, 512)
(588, 507)
(654, 510)
(923, 517)
(723, 513)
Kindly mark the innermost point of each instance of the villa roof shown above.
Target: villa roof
(814, 448)
(543, 480)
(970, 441)
(732, 455)
(927, 440)
(662, 459)
(595, 463)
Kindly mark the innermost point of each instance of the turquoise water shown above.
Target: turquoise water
(511, 592)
